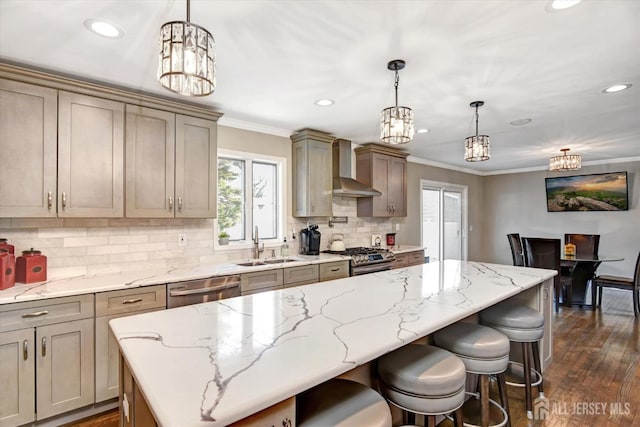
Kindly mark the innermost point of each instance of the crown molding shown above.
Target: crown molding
(253, 127)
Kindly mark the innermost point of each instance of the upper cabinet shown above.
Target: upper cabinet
(90, 156)
(384, 169)
(171, 165)
(28, 116)
(312, 177)
(64, 151)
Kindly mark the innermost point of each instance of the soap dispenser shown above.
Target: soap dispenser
(284, 249)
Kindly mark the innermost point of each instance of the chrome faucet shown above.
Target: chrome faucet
(256, 245)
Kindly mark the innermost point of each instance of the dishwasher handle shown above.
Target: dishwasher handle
(181, 291)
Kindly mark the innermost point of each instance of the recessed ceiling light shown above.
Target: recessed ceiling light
(520, 122)
(616, 88)
(325, 102)
(423, 130)
(103, 28)
(563, 4)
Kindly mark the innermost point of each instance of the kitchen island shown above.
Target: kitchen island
(216, 363)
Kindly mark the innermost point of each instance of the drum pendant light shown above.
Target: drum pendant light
(396, 123)
(476, 147)
(187, 58)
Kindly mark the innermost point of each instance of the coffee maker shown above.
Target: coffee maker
(310, 240)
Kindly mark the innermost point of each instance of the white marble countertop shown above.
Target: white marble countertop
(215, 363)
(131, 279)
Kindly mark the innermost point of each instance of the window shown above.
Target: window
(250, 194)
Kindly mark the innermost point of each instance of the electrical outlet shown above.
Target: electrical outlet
(182, 239)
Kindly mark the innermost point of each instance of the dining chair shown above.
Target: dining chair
(545, 253)
(586, 244)
(618, 282)
(516, 249)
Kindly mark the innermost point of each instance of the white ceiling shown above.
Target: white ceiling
(275, 58)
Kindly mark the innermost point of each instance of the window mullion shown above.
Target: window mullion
(249, 199)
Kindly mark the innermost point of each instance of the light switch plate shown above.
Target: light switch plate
(376, 240)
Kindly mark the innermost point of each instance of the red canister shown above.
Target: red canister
(4, 244)
(7, 269)
(31, 267)
(391, 239)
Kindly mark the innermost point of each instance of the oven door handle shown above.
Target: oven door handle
(372, 268)
(178, 292)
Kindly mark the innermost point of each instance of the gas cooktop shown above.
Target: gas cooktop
(365, 256)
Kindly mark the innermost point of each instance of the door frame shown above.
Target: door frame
(446, 186)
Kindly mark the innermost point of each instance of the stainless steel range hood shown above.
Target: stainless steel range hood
(343, 184)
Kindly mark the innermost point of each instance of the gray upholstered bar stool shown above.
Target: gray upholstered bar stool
(485, 352)
(342, 403)
(524, 325)
(422, 379)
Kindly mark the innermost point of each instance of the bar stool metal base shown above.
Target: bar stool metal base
(510, 371)
(502, 423)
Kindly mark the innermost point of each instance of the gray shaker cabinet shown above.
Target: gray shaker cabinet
(312, 177)
(17, 371)
(28, 115)
(90, 156)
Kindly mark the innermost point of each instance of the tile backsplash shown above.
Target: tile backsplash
(86, 246)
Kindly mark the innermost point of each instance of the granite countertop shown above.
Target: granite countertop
(215, 363)
(131, 279)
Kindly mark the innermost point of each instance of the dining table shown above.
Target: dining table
(582, 270)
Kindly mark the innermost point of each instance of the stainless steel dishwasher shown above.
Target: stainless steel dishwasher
(202, 290)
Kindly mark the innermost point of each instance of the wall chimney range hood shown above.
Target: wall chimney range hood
(343, 183)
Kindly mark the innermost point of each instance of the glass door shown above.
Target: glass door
(444, 219)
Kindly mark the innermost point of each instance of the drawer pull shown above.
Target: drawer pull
(170, 203)
(179, 204)
(36, 314)
(25, 350)
(49, 200)
(44, 346)
(132, 301)
(335, 269)
(64, 200)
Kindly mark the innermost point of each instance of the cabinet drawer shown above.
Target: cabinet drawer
(416, 258)
(130, 300)
(280, 414)
(304, 274)
(38, 313)
(402, 260)
(261, 280)
(334, 270)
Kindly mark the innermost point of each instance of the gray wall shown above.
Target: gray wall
(516, 203)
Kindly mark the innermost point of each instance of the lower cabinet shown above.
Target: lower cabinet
(297, 276)
(111, 305)
(407, 259)
(260, 281)
(334, 270)
(46, 358)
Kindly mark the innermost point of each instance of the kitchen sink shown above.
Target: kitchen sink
(250, 263)
(279, 260)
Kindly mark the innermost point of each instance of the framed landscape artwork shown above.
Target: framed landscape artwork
(596, 192)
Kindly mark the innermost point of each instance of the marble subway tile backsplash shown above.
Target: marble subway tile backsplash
(76, 247)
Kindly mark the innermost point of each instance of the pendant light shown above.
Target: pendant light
(396, 124)
(187, 58)
(565, 162)
(476, 147)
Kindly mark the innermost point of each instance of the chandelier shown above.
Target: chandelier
(187, 58)
(565, 162)
(396, 123)
(476, 148)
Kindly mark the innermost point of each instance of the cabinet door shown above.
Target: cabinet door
(28, 140)
(108, 358)
(17, 378)
(380, 176)
(64, 363)
(261, 281)
(196, 168)
(397, 187)
(297, 276)
(319, 179)
(149, 159)
(90, 157)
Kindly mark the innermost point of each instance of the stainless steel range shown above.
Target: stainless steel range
(367, 260)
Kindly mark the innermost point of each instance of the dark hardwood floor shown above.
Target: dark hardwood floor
(594, 379)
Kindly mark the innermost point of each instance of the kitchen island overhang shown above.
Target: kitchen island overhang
(216, 363)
